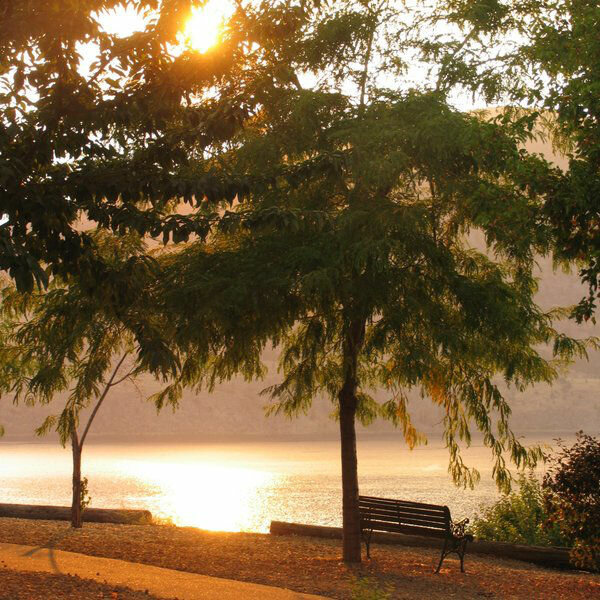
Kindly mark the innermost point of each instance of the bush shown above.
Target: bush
(368, 588)
(572, 498)
(520, 518)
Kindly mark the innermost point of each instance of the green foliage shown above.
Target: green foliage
(80, 341)
(563, 510)
(572, 496)
(99, 126)
(436, 315)
(543, 55)
(521, 517)
(367, 588)
(86, 499)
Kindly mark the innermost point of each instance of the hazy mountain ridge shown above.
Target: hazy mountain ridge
(237, 408)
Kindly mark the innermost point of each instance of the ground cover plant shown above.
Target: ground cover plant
(521, 517)
(563, 509)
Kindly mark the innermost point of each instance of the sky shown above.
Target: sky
(202, 32)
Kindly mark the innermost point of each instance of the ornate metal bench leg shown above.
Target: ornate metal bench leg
(367, 539)
(442, 556)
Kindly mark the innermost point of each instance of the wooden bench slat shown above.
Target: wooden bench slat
(379, 519)
(407, 502)
(400, 512)
(407, 529)
(376, 516)
(404, 511)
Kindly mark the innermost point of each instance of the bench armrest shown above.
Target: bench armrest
(458, 529)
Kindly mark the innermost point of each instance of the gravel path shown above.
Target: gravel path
(157, 581)
(308, 565)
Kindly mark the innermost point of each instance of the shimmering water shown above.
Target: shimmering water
(239, 486)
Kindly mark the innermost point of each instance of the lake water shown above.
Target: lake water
(240, 486)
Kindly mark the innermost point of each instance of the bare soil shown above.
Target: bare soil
(308, 565)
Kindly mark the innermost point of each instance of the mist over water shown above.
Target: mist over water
(242, 486)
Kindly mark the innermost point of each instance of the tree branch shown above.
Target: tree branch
(132, 372)
(101, 399)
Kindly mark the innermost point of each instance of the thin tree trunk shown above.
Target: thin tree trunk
(76, 521)
(348, 404)
(77, 446)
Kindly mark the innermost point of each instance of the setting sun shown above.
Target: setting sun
(204, 27)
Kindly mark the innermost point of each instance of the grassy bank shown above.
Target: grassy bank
(307, 564)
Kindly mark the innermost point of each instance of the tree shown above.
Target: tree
(95, 126)
(351, 250)
(572, 496)
(542, 58)
(68, 340)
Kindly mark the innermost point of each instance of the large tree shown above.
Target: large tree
(351, 249)
(67, 342)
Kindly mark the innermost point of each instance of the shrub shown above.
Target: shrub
(572, 497)
(368, 588)
(520, 517)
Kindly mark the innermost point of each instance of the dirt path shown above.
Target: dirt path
(164, 583)
(308, 565)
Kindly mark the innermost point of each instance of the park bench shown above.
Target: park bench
(413, 518)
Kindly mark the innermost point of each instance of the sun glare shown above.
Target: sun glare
(208, 495)
(204, 27)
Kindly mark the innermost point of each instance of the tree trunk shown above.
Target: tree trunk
(348, 404)
(76, 521)
(351, 517)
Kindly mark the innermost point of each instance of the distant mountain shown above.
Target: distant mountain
(236, 407)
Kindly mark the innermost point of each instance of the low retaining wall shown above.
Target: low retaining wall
(63, 513)
(547, 557)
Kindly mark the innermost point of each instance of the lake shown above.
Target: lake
(241, 486)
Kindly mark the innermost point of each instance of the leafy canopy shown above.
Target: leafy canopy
(542, 56)
(103, 128)
(69, 340)
(351, 250)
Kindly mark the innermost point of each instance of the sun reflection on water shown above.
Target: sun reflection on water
(206, 495)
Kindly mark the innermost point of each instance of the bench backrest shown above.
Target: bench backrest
(399, 516)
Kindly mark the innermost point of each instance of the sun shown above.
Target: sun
(204, 27)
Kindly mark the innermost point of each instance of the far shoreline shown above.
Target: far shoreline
(534, 436)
